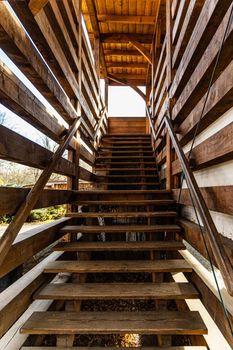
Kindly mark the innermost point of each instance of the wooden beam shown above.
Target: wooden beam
(20, 217)
(216, 149)
(211, 16)
(37, 5)
(31, 242)
(125, 38)
(219, 101)
(169, 29)
(192, 234)
(19, 99)
(122, 53)
(126, 19)
(199, 81)
(26, 17)
(217, 198)
(145, 53)
(95, 27)
(129, 82)
(124, 83)
(29, 153)
(12, 197)
(126, 65)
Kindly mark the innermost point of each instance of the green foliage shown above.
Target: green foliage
(47, 214)
(40, 215)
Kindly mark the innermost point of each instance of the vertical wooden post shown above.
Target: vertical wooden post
(168, 162)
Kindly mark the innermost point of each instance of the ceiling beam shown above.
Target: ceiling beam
(122, 53)
(127, 19)
(126, 65)
(97, 35)
(125, 37)
(36, 5)
(142, 50)
(124, 82)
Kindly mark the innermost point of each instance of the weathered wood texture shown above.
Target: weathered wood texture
(122, 125)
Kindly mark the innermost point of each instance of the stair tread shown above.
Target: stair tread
(129, 183)
(121, 228)
(122, 214)
(115, 348)
(127, 169)
(162, 322)
(98, 266)
(71, 291)
(119, 246)
(158, 191)
(127, 176)
(123, 157)
(128, 202)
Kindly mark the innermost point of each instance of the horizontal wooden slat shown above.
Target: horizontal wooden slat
(119, 246)
(219, 101)
(211, 16)
(121, 228)
(11, 197)
(124, 266)
(192, 234)
(125, 38)
(124, 214)
(163, 322)
(199, 80)
(31, 242)
(217, 198)
(104, 291)
(157, 202)
(111, 348)
(24, 151)
(15, 299)
(19, 99)
(216, 149)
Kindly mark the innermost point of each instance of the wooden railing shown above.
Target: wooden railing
(52, 52)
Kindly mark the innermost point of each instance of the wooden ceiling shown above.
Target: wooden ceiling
(123, 31)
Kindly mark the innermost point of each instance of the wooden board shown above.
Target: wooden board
(156, 202)
(188, 322)
(110, 348)
(126, 214)
(123, 125)
(119, 246)
(123, 266)
(120, 228)
(106, 291)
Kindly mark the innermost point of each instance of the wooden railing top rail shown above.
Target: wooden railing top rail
(215, 243)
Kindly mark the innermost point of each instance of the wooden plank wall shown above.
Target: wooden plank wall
(50, 48)
(195, 30)
(127, 125)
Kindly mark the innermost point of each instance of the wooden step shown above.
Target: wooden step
(131, 214)
(103, 192)
(112, 348)
(156, 202)
(131, 147)
(131, 176)
(126, 142)
(120, 228)
(109, 291)
(127, 169)
(139, 164)
(121, 266)
(124, 157)
(143, 322)
(123, 152)
(119, 246)
(129, 183)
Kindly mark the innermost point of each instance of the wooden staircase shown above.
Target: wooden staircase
(127, 227)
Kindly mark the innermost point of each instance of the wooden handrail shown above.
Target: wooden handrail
(28, 204)
(222, 259)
